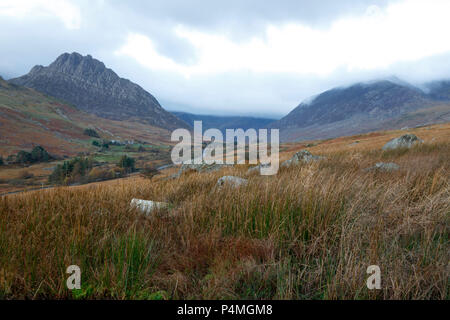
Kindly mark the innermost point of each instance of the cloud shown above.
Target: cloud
(66, 12)
(377, 39)
(246, 57)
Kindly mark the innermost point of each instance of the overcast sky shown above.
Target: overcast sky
(236, 56)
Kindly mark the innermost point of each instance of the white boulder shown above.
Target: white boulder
(232, 181)
(147, 206)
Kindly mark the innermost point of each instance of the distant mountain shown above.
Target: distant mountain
(225, 122)
(87, 84)
(439, 90)
(29, 118)
(360, 108)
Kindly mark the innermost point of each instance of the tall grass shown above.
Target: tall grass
(310, 232)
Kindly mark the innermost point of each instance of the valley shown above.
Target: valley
(308, 232)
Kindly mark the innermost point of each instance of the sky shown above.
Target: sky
(234, 57)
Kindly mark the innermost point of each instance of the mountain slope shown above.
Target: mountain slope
(29, 118)
(356, 109)
(439, 90)
(90, 86)
(224, 122)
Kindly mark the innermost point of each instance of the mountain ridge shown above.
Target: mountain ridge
(29, 118)
(361, 107)
(86, 83)
(224, 122)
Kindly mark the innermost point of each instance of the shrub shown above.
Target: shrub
(149, 172)
(96, 143)
(127, 163)
(23, 157)
(38, 154)
(91, 133)
(71, 171)
(98, 174)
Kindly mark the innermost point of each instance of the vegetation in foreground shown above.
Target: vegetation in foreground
(309, 232)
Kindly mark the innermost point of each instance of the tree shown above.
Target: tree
(127, 163)
(91, 133)
(23, 157)
(39, 154)
(57, 175)
(1, 161)
(71, 171)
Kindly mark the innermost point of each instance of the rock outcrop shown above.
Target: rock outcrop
(199, 167)
(405, 141)
(232, 181)
(257, 169)
(147, 206)
(87, 84)
(302, 156)
(383, 166)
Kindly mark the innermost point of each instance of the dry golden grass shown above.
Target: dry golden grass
(310, 232)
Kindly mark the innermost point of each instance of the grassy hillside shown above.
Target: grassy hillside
(29, 118)
(310, 232)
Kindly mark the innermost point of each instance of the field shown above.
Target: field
(17, 178)
(310, 232)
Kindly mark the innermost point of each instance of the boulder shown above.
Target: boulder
(199, 167)
(301, 156)
(383, 166)
(232, 181)
(147, 206)
(257, 168)
(405, 141)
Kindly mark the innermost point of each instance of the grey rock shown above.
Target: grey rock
(232, 181)
(254, 169)
(201, 167)
(257, 169)
(301, 156)
(147, 206)
(86, 83)
(405, 141)
(383, 166)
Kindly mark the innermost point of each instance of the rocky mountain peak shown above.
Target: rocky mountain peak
(86, 83)
(75, 63)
